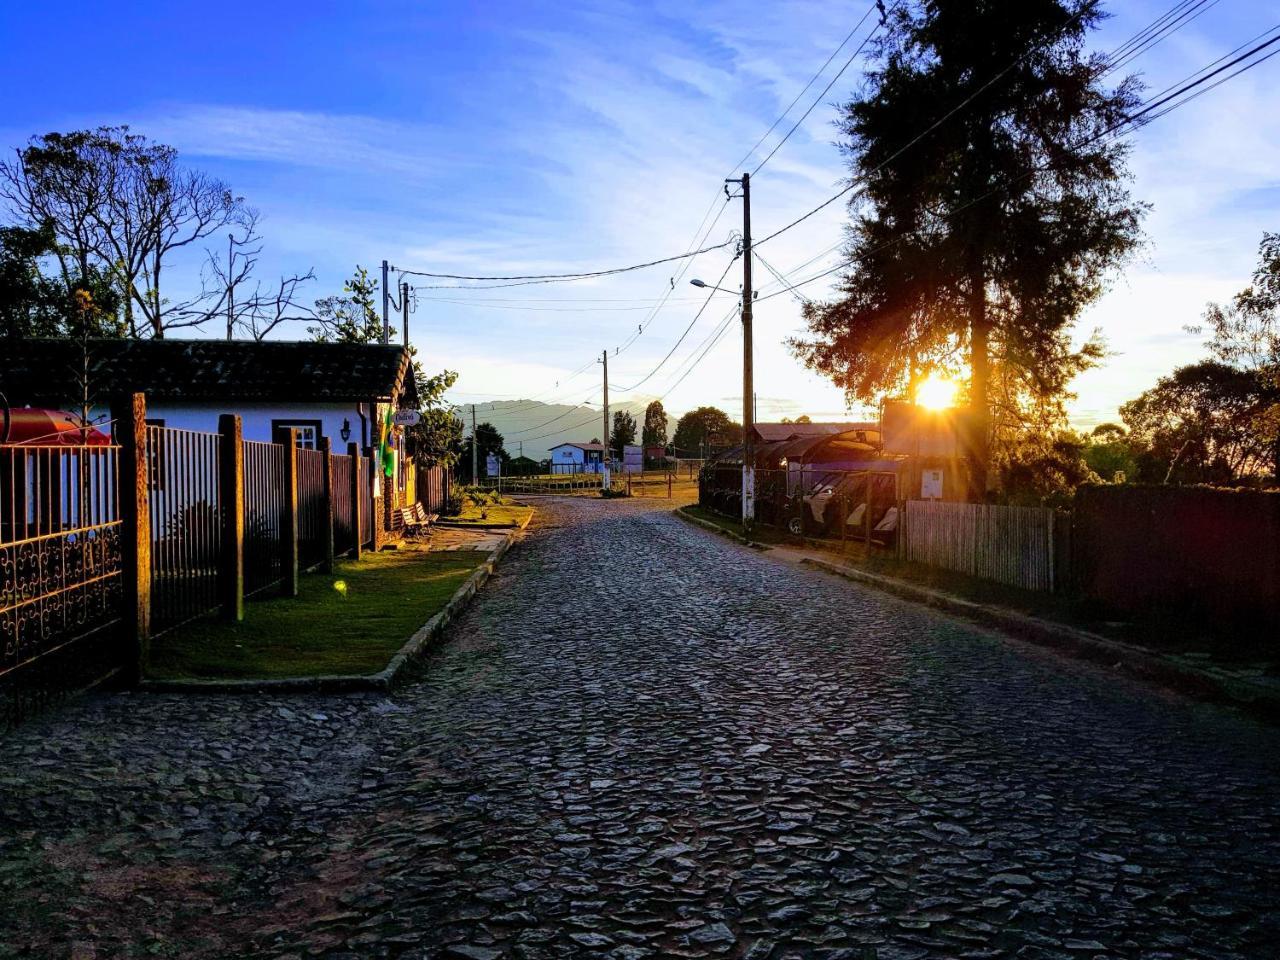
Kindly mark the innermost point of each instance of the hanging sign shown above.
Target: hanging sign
(407, 418)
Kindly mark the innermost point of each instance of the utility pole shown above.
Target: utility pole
(231, 288)
(475, 475)
(386, 306)
(404, 308)
(604, 356)
(748, 387)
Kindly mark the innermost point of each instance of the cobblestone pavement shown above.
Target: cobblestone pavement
(644, 741)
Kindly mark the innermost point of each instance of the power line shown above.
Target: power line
(839, 73)
(710, 294)
(1131, 121)
(580, 275)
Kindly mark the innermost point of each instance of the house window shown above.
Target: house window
(309, 431)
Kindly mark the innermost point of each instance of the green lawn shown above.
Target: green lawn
(389, 595)
(501, 515)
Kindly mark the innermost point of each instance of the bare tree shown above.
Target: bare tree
(118, 198)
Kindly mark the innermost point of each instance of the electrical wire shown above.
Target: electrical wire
(579, 275)
(839, 73)
(674, 346)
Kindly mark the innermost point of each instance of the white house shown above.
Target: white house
(577, 457)
(343, 391)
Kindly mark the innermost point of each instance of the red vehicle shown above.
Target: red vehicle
(36, 426)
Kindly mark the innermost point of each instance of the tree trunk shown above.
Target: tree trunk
(979, 386)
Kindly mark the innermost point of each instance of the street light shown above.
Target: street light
(711, 286)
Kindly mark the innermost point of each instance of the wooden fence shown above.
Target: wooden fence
(166, 526)
(1010, 545)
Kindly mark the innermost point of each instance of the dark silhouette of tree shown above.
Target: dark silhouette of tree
(622, 433)
(709, 426)
(35, 305)
(654, 433)
(1200, 424)
(488, 441)
(989, 233)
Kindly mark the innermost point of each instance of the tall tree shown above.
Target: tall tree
(705, 427)
(990, 207)
(488, 441)
(654, 433)
(1200, 424)
(622, 433)
(121, 202)
(1245, 335)
(437, 436)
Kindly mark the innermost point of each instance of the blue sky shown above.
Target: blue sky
(528, 138)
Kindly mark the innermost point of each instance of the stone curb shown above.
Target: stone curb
(1134, 661)
(716, 528)
(382, 681)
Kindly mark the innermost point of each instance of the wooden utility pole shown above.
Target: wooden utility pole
(404, 309)
(475, 475)
(604, 469)
(748, 386)
(386, 306)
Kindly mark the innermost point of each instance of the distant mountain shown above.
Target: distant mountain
(541, 426)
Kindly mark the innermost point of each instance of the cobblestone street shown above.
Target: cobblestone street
(644, 741)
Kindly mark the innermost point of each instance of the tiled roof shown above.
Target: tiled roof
(43, 372)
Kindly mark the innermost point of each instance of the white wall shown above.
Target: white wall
(256, 418)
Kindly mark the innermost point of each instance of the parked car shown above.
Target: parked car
(818, 512)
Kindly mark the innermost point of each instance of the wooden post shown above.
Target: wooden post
(357, 499)
(289, 521)
(231, 500)
(130, 415)
(326, 504)
(866, 519)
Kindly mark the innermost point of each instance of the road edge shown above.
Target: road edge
(1137, 662)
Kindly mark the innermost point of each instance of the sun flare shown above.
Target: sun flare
(936, 392)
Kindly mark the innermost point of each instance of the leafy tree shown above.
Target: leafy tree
(706, 425)
(35, 305)
(121, 204)
(437, 437)
(622, 433)
(654, 433)
(1200, 424)
(1109, 453)
(488, 441)
(1245, 335)
(985, 230)
(352, 317)
(1044, 468)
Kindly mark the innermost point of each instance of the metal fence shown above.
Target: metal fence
(264, 505)
(1010, 545)
(313, 519)
(60, 551)
(186, 528)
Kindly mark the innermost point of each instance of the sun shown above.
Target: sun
(936, 392)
